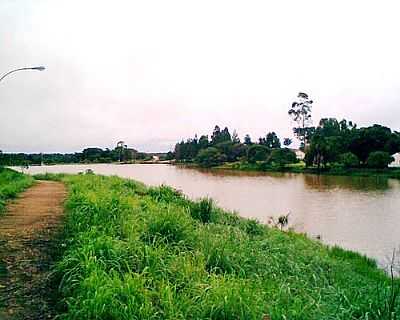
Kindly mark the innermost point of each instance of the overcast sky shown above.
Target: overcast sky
(153, 72)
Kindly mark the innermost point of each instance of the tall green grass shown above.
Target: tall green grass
(134, 252)
(12, 183)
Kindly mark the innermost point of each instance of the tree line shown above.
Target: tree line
(341, 143)
(223, 147)
(121, 153)
(331, 143)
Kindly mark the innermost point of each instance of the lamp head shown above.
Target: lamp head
(40, 68)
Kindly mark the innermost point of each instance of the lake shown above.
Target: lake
(357, 213)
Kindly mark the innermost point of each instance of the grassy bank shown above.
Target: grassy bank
(301, 168)
(134, 252)
(12, 183)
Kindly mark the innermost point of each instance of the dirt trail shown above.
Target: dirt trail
(27, 232)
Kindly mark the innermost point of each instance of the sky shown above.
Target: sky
(152, 73)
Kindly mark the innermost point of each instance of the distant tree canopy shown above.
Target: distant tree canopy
(343, 142)
(287, 142)
(88, 155)
(332, 142)
(282, 157)
(210, 157)
(229, 147)
(247, 139)
(257, 152)
(271, 141)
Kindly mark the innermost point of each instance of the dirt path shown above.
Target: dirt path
(27, 240)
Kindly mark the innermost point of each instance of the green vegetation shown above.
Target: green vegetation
(333, 139)
(134, 252)
(300, 167)
(12, 183)
(224, 148)
(333, 146)
(210, 157)
(379, 159)
(88, 155)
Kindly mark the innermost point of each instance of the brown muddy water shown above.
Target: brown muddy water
(356, 213)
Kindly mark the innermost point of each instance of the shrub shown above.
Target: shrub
(379, 160)
(349, 160)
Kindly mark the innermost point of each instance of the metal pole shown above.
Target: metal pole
(41, 68)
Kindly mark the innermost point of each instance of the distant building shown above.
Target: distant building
(299, 154)
(396, 162)
(156, 158)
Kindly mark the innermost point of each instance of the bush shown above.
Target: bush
(349, 160)
(210, 157)
(379, 160)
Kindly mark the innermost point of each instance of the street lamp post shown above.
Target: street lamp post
(40, 68)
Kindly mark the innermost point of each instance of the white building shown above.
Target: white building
(396, 162)
(299, 154)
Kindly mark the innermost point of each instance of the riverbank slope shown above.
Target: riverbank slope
(150, 253)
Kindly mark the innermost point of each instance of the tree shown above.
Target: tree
(287, 142)
(226, 148)
(374, 138)
(235, 137)
(379, 159)
(300, 112)
(349, 160)
(220, 136)
(215, 137)
(257, 152)
(239, 150)
(120, 148)
(203, 142)
(272, 141)
(225, 135)
(317, 153)
(210, 157)
(247, 140)
(281, 157)
(169, 156)
(92, 154)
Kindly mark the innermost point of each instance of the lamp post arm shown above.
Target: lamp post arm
(20, 69)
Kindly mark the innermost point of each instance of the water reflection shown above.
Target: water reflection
(365, 184)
